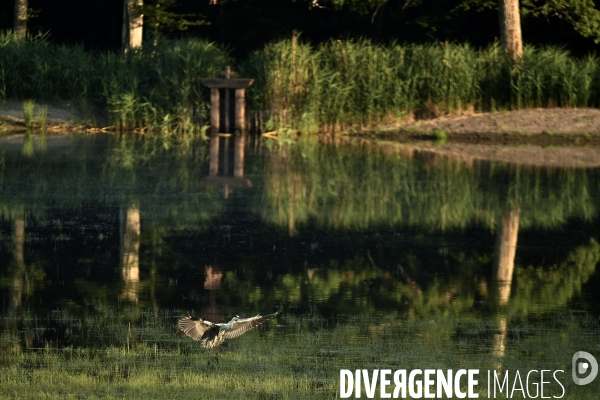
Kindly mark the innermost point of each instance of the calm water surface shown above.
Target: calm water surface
(95, 224)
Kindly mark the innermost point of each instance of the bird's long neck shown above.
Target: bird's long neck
(228, 325)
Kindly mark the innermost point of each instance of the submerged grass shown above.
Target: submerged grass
(299, 358)
(340, 84)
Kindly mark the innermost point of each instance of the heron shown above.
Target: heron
(212, 335)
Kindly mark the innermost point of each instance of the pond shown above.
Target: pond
(381, 256)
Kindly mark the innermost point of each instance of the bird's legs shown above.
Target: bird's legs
(213, 357)
(209, 354)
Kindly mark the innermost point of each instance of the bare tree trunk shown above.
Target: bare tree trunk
(510, 28)
(133, 24)
(21, 18)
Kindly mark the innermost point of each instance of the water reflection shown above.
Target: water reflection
(130, 249)
(506, 249)
(347, 229)
(220, 157)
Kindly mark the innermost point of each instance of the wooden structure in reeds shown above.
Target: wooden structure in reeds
(221, 117)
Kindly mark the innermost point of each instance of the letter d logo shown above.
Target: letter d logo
(582, 367)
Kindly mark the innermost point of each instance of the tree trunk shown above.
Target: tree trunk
(21, 18)
(133, 24)
(510, 29)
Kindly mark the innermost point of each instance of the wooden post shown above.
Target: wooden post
(227, 114)
(227, 84)
(227, 74)
(240, 112)
(214, 110)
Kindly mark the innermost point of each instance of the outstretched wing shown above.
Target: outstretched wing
(242, 326)
(194, 327)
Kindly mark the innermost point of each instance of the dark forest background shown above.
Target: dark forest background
(245, 25)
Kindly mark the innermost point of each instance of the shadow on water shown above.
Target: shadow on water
(105, 242)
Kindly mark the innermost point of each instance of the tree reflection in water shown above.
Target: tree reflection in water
(348, 229)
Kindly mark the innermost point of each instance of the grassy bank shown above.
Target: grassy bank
(111, 355)
(337, 85)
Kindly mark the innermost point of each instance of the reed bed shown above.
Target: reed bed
(340, 84)
(358, 84)
(156, 89)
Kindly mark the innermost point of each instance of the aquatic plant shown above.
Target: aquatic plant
(42, 116)
(28, 107)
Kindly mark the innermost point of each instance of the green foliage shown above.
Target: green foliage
(541, 290)
(338, 85)
(27, 149)
(360, 84)
(164, 16)
(139, 89)
(440, 137)
(582, 14)
(42, 116)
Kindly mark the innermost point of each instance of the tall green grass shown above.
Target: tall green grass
(358, 83)
(339, 84)
(156, 88)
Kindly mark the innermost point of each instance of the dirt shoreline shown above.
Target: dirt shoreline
(545, 137)
(61, 118)
(536, 121)
(554, 137)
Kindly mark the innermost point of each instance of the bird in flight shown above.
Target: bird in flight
(212, 335)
